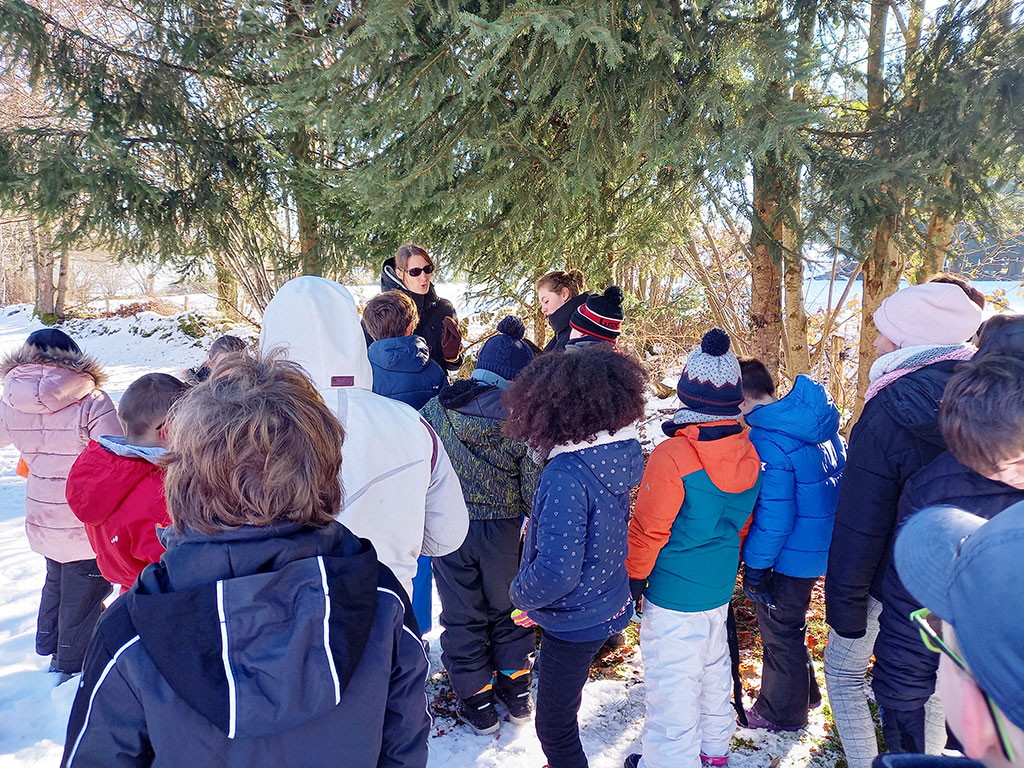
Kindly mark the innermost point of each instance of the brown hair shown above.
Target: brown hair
(388, 315)
(757, 381)
(567, 398)
(409, 250)
(224, 345)
(982, 413)
(557, 280)
(252, 445)
(972, 293)
(144, 405)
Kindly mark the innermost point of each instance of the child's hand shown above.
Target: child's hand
(520, 619)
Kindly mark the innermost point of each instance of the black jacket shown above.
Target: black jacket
(905, 670)
(433, 310)
(896, 435)
(277, 646)
(559, 322)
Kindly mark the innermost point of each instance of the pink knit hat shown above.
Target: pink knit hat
(929, 313)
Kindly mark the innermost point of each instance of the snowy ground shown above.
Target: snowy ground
(33, 711)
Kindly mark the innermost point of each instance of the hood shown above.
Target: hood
(559, 319)
(725, 453)
(474, 398)
(38, 381)
(103, 480)
(1007, 339)
(316, 322)
(807, 413)
(632, 464)
(406, 354)
(294, 605)
(913, 400)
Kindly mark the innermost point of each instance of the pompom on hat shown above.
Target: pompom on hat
(928, 313)
(600, 316)
(505, 354)
(711, 383)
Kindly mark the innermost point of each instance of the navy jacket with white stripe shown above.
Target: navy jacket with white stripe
(275, 646)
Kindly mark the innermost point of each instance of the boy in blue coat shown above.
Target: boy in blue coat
(786, 550)
(402, 368)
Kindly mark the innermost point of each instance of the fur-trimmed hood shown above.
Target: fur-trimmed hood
(44, 381)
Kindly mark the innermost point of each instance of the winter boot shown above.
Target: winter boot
(714, 762)
(478, 711)
(756, 720)
(513, 688)
(632, 761)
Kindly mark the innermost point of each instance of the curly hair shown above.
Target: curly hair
(569, 398)
(252, 445)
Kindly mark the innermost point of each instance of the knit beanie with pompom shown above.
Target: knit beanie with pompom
(505, 353)
(600, 316)
(711, 382)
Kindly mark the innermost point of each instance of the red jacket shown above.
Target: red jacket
(121, 501)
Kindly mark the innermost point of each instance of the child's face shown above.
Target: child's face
(883, 345)
(1011, 472)
(550, 301)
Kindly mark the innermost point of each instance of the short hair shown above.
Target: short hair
(989, 333)
(558, 280)
(388, 315)
(982, 412)
(225, 345)
(252, 445)
(407, 251)
(144, 405)
(757, 381)
(972, 293)
(563, 398)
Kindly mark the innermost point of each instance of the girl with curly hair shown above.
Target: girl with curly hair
(579, 410)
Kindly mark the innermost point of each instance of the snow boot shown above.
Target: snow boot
(713, 762)
(756, 720)
(478, 711)
(514, 691)
(632, 761)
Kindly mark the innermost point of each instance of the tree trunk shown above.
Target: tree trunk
(765, 270)
(938, 241)
(227, 292)
(42, 267)
(309, 236)
(62, 283)
(798, 356)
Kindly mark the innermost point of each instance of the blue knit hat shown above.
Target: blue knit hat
(53, 338)
(711, 383)
(505, 353)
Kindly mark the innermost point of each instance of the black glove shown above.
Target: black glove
(637, 587)
(757, 584)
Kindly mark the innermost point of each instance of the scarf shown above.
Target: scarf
(894, 365)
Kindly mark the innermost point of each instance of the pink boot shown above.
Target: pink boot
(714, 762)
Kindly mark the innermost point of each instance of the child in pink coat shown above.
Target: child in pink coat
(52, 405)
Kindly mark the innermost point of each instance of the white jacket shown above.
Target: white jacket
(400, 490)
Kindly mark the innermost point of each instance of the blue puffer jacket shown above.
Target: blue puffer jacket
(403, 370)
(803, 457)
(573, 573)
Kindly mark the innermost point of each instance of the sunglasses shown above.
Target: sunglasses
(933, 642)
(417, 271)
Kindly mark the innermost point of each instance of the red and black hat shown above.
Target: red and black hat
(600, 316)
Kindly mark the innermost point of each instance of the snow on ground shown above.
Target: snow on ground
(33, 711)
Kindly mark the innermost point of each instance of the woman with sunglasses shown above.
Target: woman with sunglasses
(411, 270)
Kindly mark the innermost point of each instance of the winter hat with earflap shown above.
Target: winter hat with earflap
(711, 383)
(600, 316)
(505, 354)
(929, 313)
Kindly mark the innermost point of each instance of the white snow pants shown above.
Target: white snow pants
(689, 684)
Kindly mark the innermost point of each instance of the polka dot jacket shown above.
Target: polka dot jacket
(573, 574)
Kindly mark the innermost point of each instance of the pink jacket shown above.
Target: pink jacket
(52, 405)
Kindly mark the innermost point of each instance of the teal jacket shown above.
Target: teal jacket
(698, 491)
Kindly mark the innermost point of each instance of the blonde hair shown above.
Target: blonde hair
(252, 445)
(558, 280)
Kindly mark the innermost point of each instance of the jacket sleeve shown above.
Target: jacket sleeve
(406, 718)
(145, 545)
(5, 432)
(864, 522)
(658, 502)
(560, 519)
(529, 474)
(446, 520)
(107, 726)
(101, 418)
(775, 512)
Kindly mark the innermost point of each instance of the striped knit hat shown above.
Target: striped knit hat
(711, 383)
(600, 316)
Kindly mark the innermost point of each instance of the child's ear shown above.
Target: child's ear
(409, 329)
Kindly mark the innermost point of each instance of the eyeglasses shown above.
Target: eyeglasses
(417, 271)
(933, 642)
